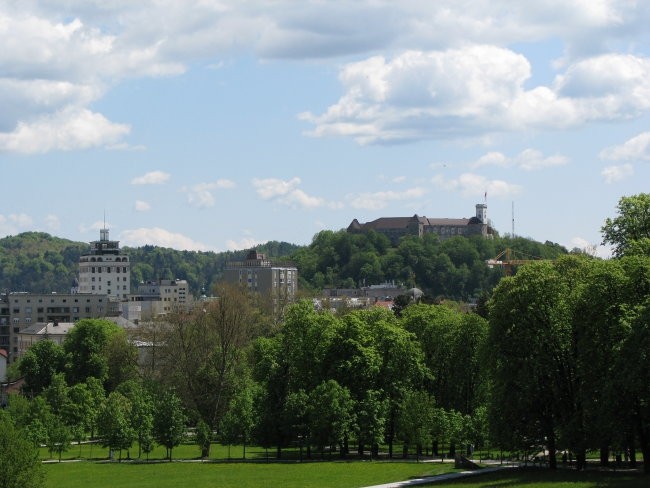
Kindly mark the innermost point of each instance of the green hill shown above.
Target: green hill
(454, 268)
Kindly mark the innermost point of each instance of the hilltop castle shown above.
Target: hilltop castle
(444, 228)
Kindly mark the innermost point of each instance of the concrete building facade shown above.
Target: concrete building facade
(261, 275)
(21, 310)
(156, 298)
(105, 270)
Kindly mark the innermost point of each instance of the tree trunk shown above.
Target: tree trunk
(552, 452)
(604, 455)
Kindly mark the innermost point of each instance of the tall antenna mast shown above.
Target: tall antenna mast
(513, 219)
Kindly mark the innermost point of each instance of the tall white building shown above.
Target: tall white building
(105, 270)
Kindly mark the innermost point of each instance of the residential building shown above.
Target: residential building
(156, 298)
(396, 227)
(24, 309)
(259, 274)
(54, 331)
(4, 358)
(104, 269)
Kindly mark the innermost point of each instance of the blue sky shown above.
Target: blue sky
(216, 125)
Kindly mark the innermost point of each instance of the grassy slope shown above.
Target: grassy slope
(233, 475)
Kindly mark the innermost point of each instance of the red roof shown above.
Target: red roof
(4, 353)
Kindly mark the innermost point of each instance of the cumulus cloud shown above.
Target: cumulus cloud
(62, 56)
(52, 222)
(477, 90)
(151, 178)
(612, 174)
(66, 130)
(473, 185)
(161, 237)
(268, 188)
(634, 149)
(244, 243)
(141, 206)
(287, 193)
(381, 199)
(201, 195)
(528, 160)
(15, 223)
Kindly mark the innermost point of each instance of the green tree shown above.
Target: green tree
(531, 354)
(630, 230)
(203, 438)
(205, 351)
(85, 349)
(19, 463)
(59, 436)
(169, 421)
(331, 414)
(115, 423)
(141, 411)
(415, 420)
(40, 363)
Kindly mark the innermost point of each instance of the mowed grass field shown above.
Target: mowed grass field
(234, 475)
(545, 478)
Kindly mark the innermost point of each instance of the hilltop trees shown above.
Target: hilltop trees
(629, 232)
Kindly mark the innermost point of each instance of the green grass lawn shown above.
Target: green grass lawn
(234, 475)
(544, 478)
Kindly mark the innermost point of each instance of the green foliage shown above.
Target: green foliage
(85, 347)
(19, 463)
(114, 424)
(454, 268)
(40, 263)
(169, 421)
(629, 232)
(40, 363)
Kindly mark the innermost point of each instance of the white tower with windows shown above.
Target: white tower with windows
(104, 270)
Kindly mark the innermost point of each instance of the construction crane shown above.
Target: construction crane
(508, 259)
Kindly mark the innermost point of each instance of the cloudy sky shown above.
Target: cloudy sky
(215, 125)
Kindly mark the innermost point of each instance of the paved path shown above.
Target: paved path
(441, 477)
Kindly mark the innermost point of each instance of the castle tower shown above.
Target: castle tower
(481, 212)
(105, 270)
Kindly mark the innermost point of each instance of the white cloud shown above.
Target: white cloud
(141, 206)
(161, 237)
(52, 222)
(95, 226)
(528, 160)
(15, 223)
(272, 187)
(244, 243)
(634, 149)
(590, 248)
(61, 56)
(612, 174)
(287, 193)
(380, 199)
(201, 196)
(473, 185)
(477, 90)
(66, 130)
(151, 178)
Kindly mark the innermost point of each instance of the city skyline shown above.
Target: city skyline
(222, 125)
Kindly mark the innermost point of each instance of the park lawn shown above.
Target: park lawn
(545, 478)
(234, 475)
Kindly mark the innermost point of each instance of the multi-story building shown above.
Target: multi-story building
(105, 270)
(262, 275)
(156, 298)
(25, 309)
(396, 227)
